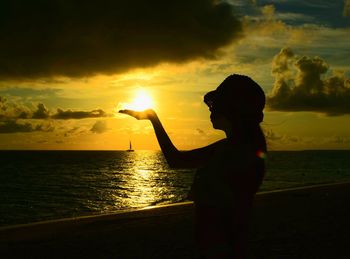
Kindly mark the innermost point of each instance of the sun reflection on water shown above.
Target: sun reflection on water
(124, 180)
(145, 179)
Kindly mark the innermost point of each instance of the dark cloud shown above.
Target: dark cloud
(41, 113)
(306, 84)
(69, 114)
(13, 126)
(99, 127)
(81, 38)
(13, 111)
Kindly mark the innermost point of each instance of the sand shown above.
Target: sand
(308, 223)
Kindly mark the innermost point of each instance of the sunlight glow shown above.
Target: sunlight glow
(142, 101)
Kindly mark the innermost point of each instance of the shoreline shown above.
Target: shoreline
(302, 222)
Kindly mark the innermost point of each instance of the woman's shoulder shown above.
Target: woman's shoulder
(231, 146)
(231, 151)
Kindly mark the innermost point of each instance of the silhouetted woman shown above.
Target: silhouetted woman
(230, 171)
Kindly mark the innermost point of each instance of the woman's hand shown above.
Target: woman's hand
(148, 114)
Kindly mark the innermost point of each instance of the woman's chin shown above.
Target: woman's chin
(215, 126)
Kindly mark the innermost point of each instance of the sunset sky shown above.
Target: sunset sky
(67, 67)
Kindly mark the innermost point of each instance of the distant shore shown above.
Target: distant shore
(305, 222)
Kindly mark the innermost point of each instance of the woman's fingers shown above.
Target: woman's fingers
(129, 112)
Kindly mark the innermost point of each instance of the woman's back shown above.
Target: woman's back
(232, 173)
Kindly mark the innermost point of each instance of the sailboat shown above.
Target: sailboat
(130, 147)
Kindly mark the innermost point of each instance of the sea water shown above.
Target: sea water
(43, 185)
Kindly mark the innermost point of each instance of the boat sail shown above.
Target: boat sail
(130, 147)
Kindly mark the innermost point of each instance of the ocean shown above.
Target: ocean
(44, 185)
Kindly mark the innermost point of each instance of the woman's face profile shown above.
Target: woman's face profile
(219, 121)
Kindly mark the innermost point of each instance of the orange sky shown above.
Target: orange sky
(68, 100)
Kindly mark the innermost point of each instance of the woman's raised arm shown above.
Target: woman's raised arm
(175, 158)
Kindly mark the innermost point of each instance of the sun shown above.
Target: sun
(142, 101)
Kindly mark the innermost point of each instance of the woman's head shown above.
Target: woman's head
(237, 107)
(237, 98)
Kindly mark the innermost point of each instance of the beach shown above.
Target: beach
(306, 222)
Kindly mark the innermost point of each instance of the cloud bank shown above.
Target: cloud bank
(307, 84)
(42, 39)
(13, 126)
(13, 111)
(69, 114)
(16, 117)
